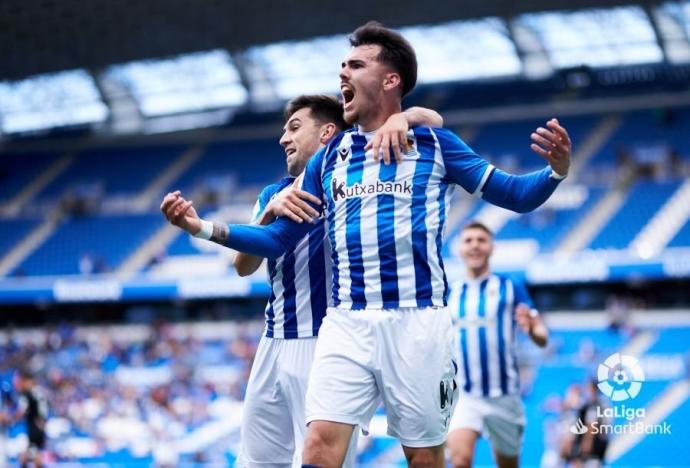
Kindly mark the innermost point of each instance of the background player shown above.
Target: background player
(385, 229)
(273, 420)
(33, 408)
(487, 306)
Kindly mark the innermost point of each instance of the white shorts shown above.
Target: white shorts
(500, 419)
(406, 357)
(273, 421)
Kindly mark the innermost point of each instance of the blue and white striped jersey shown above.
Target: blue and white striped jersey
(484, 310)
(385, 222)
(299, 279)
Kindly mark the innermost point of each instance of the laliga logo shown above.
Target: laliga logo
(620, 377)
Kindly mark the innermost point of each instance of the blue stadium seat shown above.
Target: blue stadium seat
(106, 239)
(548, 226)
(682, 238)
(645, 199)
(17, 170)
(255, 162)
(118, 171)
(647, 128)
(13, 231)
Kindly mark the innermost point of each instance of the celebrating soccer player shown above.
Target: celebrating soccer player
(388, 333)
(487, 308)
(273, 422)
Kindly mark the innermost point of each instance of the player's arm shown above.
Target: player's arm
(528, 317)
(530, 321)
(521, 193)
(393, 133)
(246, 264)
(270, 241)
(292, 203)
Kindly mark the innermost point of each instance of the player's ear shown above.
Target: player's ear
(327, 132)
(391, 81)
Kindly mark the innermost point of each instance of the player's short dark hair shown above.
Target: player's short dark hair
(324, 108)
(474, 224)
(396, 51)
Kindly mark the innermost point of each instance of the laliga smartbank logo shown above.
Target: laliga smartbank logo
(620, 378)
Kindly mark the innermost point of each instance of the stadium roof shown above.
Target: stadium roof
(39, 36)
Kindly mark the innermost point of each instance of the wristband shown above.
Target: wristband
(557, 176)
(206, 230)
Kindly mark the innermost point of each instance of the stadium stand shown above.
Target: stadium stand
(133, 394)
(104, 241)
(119, 171)
(645, 199)
(17, 170)
(231, 172)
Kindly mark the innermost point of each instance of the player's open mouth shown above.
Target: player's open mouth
(348, 95)
(290, 151)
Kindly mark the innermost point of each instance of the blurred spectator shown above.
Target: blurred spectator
(86, 264)
(137, 388)
(580, 444)
(618, 309)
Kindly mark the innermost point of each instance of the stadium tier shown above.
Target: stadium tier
(642, 203)
(18, 170)
(80, 197)
(682, 238)
(89, 244)
(111, 172)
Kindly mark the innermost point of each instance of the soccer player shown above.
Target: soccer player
(487, 308)
(388, 334)
(273, 422)
(33, 408)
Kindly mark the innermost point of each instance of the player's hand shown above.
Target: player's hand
(393, 134)
(554, 145)
(523, 317)
(180, 212)
(292, 203)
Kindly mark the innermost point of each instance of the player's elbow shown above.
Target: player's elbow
(242, 270)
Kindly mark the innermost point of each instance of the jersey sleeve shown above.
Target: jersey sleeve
(463, 166)
(521, 193)
(521, 294)
(261, 202)
(275, 239)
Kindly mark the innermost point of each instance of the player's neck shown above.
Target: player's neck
(376, 120)
(478, 273)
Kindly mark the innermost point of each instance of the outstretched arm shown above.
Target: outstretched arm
(517, 193)
(265, 241)
(393, 133)
(292, 203)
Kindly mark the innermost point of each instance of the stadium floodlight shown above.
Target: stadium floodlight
(284, 70)
(48, 101)
(673, 22)
(464, 50)
(184, 84)
(596, 37)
